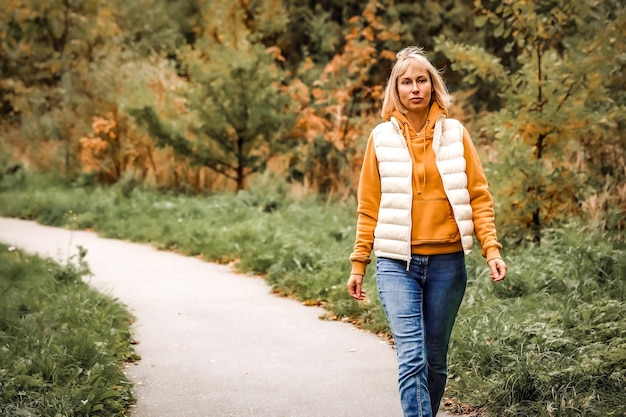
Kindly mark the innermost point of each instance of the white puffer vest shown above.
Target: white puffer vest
(392, 236)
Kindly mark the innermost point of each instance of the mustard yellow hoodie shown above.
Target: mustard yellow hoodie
(434, 230)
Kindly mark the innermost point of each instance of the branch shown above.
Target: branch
(567, 95)
(59, 43)
(540, 102)
(224, 172)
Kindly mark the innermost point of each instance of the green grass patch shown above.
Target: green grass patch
(62, 344)
(549, 341)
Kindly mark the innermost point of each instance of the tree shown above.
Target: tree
(338, 103)
(66, 67)
(344, 53)
(238, 113)
(557, 107)
(46, 51)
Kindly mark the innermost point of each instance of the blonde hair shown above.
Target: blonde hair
(407, 56)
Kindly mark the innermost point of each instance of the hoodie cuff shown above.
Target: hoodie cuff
(492, 252)
(358, 268)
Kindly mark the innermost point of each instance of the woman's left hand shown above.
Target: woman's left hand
(498, 269)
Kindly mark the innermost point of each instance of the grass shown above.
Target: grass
(550, 341)
(62, 344)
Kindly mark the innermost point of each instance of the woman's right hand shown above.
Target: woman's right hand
(355, 287)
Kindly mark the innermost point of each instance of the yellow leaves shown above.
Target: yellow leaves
(369, 13)
(353, 35)
(91, 153)
(25, 48)
(343, 96)
(387, 54)
(368, 33)
(368, 27)
(102, 126)
(225, 23)
(276, 53)
(335, 112)
(235, 23)
(318, 93)
(92, 147)
(95, 146)
(309, 125)
(54, 67)
(308, 64)
(388, 35)
(19, 11)
(594, 80)
(377, 93)
(106, 22)
(299, 92)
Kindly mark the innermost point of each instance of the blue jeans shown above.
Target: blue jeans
(421, 305)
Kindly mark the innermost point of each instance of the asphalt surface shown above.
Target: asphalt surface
(215, 343)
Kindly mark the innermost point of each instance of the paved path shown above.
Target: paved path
(215, 343)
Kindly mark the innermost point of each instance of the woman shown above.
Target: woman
(422, 197)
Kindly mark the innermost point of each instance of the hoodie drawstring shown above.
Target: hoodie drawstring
(406, 132)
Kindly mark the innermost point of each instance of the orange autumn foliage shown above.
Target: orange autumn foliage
(107, 154)
(113, 149)
(339, 109)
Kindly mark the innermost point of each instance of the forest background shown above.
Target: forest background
(200, 98)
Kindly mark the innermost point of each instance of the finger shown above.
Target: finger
(493, 270)
(358, 295)
(498, 272)
(356, 292)
(502, 270)
(352, 290)
(495, 274)
(355, 287)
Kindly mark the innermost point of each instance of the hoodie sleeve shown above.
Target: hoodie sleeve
(368, 205)
(481, 201)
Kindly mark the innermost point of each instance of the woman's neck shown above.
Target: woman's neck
(418, 121)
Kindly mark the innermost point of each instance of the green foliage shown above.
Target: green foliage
(559, 112)
(237, 111)
(549, 341)
(311, 31)
(62, 344)
(45, 52)
(321, 29)
(62, 64)
(541, 79)
(151, 26)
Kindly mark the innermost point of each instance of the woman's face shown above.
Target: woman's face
(415, 89)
